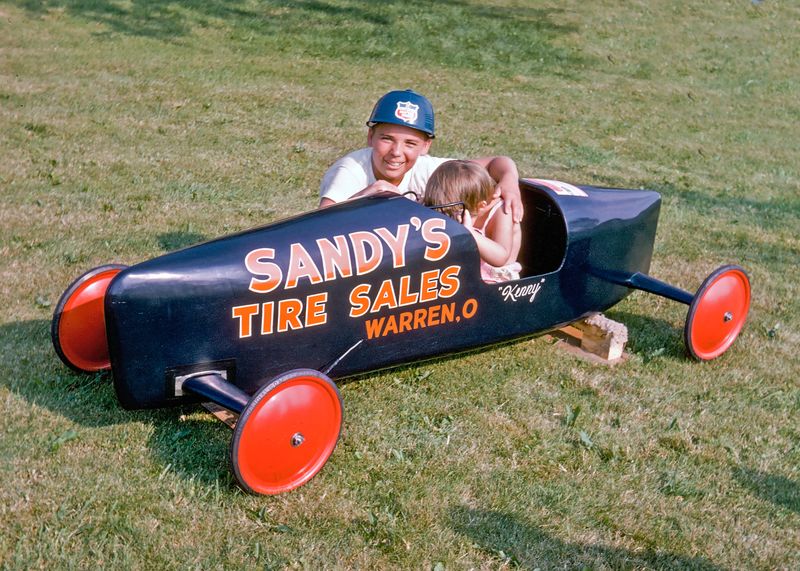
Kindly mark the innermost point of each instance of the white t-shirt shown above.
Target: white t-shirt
(353, 173)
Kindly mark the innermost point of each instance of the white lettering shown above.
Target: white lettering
(515, 292)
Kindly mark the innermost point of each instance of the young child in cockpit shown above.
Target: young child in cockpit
(497, 236)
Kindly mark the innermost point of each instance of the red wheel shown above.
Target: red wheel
(78, 329)
(717, 313)
(286, 432)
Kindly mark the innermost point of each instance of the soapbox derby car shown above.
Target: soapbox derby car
(259, 322)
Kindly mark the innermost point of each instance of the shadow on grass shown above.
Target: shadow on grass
(779, 490)
(171, 241)
(758, 212)
(650, 337)
(456, 33)
(523, 545)
(193, 446)
(35, 373)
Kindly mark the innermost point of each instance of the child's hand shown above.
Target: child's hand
(466, 219)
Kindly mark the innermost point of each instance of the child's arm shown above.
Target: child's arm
(492, 252)
(502, 229)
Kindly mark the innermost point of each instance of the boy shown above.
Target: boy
(396, 159)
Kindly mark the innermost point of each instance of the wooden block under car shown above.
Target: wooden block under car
(597, 338)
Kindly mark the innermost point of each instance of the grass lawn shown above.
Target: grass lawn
(129, 129)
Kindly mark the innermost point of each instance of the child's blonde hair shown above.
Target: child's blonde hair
(459, 181)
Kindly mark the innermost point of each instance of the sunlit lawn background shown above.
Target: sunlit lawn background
(131, 128)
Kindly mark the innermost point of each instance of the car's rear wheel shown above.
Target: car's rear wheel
(78, 329)
(717, 313)
(287, 432)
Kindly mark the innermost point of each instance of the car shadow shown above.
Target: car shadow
(747, 211)
(521, 544)
(649, 336)
(183, 439)
(781, 491)
(171, 241)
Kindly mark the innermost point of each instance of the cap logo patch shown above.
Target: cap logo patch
(406, 111)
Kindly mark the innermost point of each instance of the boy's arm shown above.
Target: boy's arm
(347, 179)
(374, 188)
(504, 171)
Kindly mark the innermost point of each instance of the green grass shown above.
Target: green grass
(128, 129)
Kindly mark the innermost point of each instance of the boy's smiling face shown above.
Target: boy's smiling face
(395, 149)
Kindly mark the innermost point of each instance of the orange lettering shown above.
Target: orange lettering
(315, 309)
(448, 312)
(391, 326)
(385, 297)
(254, 263)
(245, 313)
(289, 314)
(365, 263)
(397, 244)
(423, 317)
(267, 311)
(419, 318)
(433, 314)
(469, 308)
(427, 285)
(405, 321)
(449, 281)
(374, 327)
(335, 257)
(440, 241)
(407, 297)
(301, 266)
(359, 300)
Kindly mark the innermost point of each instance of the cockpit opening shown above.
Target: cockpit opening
(544, 234)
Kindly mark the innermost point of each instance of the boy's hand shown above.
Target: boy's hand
(378, 186)
(374, 188)
(512, 200)
(504, 171)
